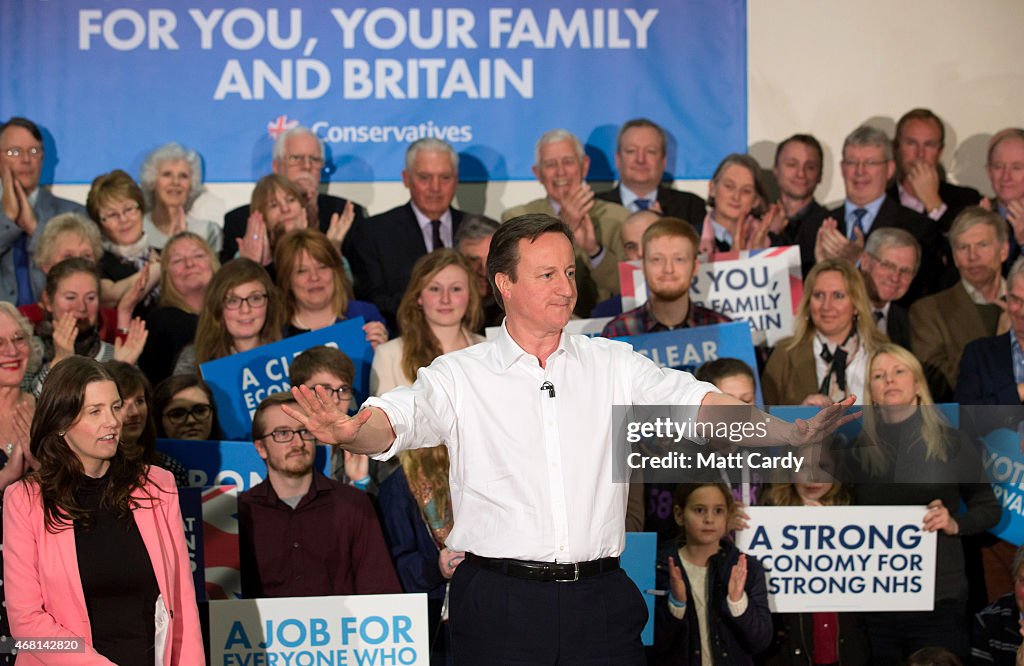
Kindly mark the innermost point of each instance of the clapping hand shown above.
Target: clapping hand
(341, 224)
(130, 348)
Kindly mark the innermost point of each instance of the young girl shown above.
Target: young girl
(716, 611)
(816, 638)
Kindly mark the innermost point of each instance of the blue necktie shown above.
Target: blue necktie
(858, 221)
(642, 204)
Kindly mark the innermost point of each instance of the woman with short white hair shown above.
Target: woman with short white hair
(172, 180)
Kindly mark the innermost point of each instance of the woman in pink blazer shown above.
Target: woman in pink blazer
(94, 546)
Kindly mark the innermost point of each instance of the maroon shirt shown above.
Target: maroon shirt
(331, 543)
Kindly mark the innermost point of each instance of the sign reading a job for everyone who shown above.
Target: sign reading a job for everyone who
(110, 81)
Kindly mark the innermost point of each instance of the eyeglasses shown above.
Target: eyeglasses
(285, 435)
(889, 267)
(123, 213)
(343, 392)
(17, 342)
(257, 300)
(33, 153)
(198, 412)
(312, 160)
(863, 164)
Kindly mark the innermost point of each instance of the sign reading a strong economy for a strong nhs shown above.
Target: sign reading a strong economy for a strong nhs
(110, 81)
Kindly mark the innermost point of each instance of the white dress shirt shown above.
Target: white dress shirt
(531, 475)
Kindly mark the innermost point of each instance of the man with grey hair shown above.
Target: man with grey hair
(474, 243)
(867, 166)
(561, 167)
(641, 154)
(390, 243)
(942, 324)
(25, 210)
(889, 263)
(299, 157)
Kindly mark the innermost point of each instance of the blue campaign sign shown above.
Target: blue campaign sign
(227, 463)
(688, 348)
(240, 381)
(1004, 465)
(226, 78)
(638, 562)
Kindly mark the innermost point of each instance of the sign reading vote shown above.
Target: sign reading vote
(353, 630)
(226, 78)
(689, 348)
(240, 381)
(227, 463)
(1004, 465)
(841, 558)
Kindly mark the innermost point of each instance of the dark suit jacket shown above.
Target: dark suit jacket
(897, 325)
(986, 373)
(236, 220)
(802, 230)
(674, 203)
(955, 197)
(893, 214)
(385, 247)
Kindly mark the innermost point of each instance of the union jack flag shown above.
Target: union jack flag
(279, 125)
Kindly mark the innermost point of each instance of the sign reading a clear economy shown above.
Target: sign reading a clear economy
(225, 77)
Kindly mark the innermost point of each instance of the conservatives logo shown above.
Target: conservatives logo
(281, 124)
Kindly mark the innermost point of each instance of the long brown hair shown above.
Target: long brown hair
(60, 470)
(419, 344)
(212, 338)
(286, 259)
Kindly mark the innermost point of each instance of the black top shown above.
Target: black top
(170, 330)
(118, 581)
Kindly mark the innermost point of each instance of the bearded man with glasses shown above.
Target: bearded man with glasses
(300, 533)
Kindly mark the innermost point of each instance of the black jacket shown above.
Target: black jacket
(734, 640)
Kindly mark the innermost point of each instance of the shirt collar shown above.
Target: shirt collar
(424, 221)
(264, 492)
(871, 207)
(555, 206)
(976, 296)
(509, 350)
(629, 196)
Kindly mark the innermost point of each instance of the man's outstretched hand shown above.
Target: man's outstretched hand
(823, 424)
(319, 414)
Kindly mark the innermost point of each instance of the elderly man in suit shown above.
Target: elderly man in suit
(641, 152)
(299, 157)
(942, 324)
(561, 167)
(387, 245)
(889, 263)
(25, 210)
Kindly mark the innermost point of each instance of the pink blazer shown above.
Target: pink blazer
(44, 588)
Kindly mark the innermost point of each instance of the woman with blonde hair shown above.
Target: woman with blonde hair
(187, 265)
(437, 315)
(907, 455)
(316, 289)
(242, 310)
(825, 359)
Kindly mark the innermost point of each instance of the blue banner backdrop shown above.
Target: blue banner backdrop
(110, 81)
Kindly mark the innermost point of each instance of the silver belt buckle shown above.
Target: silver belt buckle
(575, 574)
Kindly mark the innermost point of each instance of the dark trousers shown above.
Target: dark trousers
(895, 636)
(500, 620)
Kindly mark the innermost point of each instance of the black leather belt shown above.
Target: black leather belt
(552, 572)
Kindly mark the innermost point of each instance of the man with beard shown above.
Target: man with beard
(669, 263)
(889, 263)
(300, 533)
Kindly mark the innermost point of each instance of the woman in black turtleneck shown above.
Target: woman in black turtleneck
(94, 543)
(908, 455)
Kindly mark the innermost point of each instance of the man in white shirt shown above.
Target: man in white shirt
(527, 419)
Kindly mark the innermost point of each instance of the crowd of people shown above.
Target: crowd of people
(913, 295)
